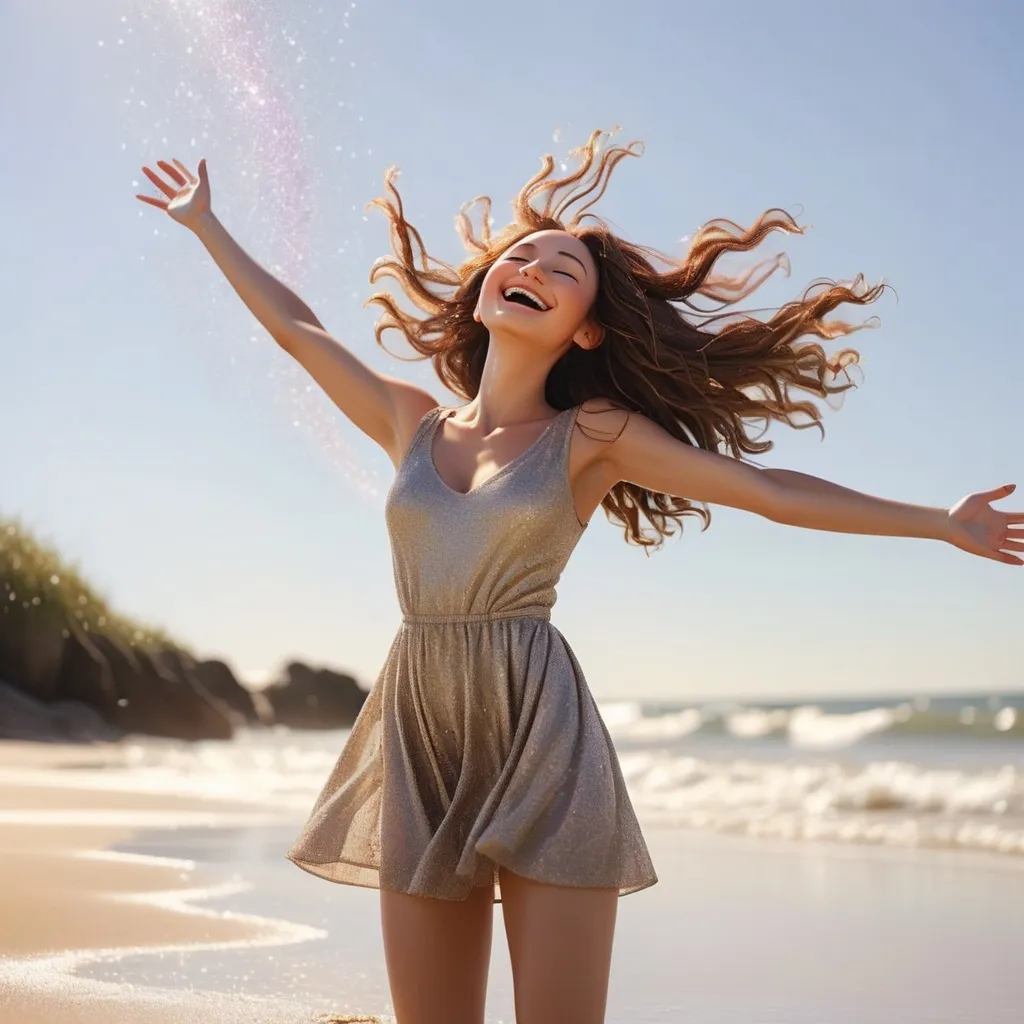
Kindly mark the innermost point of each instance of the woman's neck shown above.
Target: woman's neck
(512, 387)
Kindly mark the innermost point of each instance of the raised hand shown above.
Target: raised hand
(978, 528)
(188, 197)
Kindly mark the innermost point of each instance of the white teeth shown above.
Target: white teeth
(525, 291)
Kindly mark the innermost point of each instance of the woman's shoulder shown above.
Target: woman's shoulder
(602, 419)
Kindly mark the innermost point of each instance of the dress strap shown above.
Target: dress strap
(416, 440)
(568, 429)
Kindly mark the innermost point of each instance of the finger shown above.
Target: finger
(172, 172)
(1010, 559)
(160, 204)
(998, 492)
(160, 183)
(1012, 545)
(1015, 517)
(202, 170)
(184, 170)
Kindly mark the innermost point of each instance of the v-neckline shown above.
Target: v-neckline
(500, 471)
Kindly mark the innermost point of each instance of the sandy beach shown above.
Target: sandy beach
(67, 898)
(123, 906)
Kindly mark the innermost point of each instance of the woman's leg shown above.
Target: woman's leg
(560, 943)
(437, 954)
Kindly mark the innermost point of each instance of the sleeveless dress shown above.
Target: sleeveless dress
(480, 744)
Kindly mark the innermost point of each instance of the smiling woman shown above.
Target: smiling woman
(479, 768)
(551, 273)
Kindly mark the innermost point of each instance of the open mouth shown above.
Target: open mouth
(523, 297)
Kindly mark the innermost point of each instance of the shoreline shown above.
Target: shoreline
(78, 901)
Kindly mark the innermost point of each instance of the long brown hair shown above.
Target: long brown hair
(711, 379)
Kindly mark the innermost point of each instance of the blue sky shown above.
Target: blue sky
(156, 435)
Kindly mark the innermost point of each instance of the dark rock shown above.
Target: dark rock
(309, 698)
(50, 656)
(85, 675)
(153, 699)
(32, 648)
(221, 682)
(182, 667)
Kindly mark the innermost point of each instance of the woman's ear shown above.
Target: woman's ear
(589, 335)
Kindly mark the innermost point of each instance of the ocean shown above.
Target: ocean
(942, 771)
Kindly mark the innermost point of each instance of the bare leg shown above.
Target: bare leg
(437, 954)
(560, 943)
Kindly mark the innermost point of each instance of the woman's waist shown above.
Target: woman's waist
(456, 617)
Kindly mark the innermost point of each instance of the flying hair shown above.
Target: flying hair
(715, 378)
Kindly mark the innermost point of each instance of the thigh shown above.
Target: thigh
(437, 953)
(560, 944)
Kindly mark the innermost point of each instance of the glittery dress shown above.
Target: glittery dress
(479, 744)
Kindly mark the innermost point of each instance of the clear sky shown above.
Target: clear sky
(158, 437)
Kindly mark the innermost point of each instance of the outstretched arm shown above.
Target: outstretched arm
(650, 457)
(385, 409)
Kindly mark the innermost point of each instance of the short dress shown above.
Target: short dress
(479, 745)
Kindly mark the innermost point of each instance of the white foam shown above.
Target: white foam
(812, 728)
(660, 727)
(883, 802)
(617, 714)
(271, 769)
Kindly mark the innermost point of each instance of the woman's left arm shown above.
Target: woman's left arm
(650, 457)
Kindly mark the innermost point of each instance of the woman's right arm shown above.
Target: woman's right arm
(384, 408)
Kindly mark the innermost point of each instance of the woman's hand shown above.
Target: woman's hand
(188, 197)
(979, 529)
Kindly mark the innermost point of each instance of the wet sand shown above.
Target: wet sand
(66, 898)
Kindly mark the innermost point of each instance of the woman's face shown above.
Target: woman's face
(542, 289)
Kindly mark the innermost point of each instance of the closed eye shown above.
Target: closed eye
(523, 259)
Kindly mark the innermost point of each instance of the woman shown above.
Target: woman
(479, 768)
